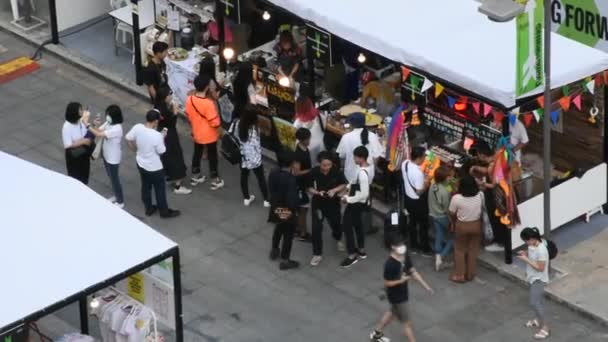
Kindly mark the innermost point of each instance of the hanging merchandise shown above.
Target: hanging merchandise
(577, 101)
(397, 147)
(506, 203)
(593, 112)
(430, 164)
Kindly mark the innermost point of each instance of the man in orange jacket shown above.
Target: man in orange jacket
(204, 118)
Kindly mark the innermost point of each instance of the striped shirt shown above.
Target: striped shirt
(467, 209)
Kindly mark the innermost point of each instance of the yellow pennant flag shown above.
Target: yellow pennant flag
(438, 89)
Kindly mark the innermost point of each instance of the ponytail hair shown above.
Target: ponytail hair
(364, 136)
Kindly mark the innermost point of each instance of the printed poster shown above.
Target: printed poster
(530, 47)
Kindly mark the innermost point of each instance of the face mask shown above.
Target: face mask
(109, 119)
(400, 250)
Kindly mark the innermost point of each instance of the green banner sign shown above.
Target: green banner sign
(530, 47)
(582, 20)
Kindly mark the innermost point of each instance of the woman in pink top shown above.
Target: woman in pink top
(214, 31)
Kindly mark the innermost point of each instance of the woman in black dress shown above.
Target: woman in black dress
(173, 158)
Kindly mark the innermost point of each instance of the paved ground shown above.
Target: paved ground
(231, 291)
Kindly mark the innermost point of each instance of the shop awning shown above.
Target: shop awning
(445, 38)
(60, 238)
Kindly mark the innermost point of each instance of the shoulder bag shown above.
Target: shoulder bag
(486, 225)
(231, 146)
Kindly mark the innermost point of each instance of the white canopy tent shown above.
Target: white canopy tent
(61, 241)
(448, 39)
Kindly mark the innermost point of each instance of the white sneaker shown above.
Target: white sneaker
(249, 200)
(112, 199)
(182, 190)
(217, 184)
(196, 180)
(438, 262)
(266, 204)
(341, 247)
(495, 248)
(120, 205)
(316, 260)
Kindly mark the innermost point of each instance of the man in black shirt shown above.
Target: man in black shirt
(398, 270)
(283, 209)
(326, 182)
(304, 164)
(155, 74)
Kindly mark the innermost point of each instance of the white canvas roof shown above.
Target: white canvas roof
(60, 238)
(446, 38)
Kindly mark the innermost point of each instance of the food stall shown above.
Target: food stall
(76, 245)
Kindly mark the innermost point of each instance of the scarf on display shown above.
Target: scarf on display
(506, 201)
(397, 147)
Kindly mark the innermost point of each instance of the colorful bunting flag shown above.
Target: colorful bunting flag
(405, 73)
(566, 90)
(515, 111)
(541, 101)
(555, 117)
(598, 80)
(451, 101)
(605, 77)
(476, 106)
(438, 89)
(577, 101)
(564, 102)
(512, 119)
(528, 119)
(427, 85)
(498, 116)
(538, 114)
(591, 86)
(486, 109)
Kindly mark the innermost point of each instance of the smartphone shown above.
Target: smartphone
(165, 130)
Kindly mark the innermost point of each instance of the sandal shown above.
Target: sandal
(532, 324)
(541, 335)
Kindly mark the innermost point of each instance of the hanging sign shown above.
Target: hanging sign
(582, 20)
(281, 100)
(18, 334)
(529, 73)
(230, 9)
(320, 44)
(483, 132)
(450, 126)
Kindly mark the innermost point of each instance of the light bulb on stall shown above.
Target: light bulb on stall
(266, 16)
(228, 53)
(94, 303)
(284, 81)
(361, 58)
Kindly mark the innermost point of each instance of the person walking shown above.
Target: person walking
(465, 220)
(77, 142)
(283, 213)
(416, 185)
(439, 202)
(203, 115)
(326, 182)
(304, 164)
(173, 158)
(149, 144)
(111, 150)
(536, 259)
(154, 75)
(398, 270)
(357, 202)
(248, 135)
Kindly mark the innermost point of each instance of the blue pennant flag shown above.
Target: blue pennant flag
(512, 119)
(451, 101)
(555, 117)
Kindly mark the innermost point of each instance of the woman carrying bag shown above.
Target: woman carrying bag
(77, 142)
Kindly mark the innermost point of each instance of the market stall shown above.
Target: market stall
(65, 244)
(459, 69)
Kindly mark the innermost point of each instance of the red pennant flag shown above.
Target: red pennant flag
(463, 99)
(541, 101)
(476, 106)
(405, 73)
(486, 109)
(598, 80)
(498, 117)
(564, 102)
(577, 101)
(605, 77)
(528, 119)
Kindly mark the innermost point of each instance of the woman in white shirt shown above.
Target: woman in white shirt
(76, 142)
(111, 132)
(359, 136)
(465, 219)
(308, 116)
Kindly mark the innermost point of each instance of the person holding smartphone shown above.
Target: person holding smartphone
(398, 271)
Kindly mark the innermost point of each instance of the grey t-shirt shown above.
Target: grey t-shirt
(535, 254)
(439, 200)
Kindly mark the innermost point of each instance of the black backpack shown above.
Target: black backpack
(551, 248)
(231, 146)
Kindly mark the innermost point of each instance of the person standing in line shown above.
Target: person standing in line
(248, 133)
(207, 69)
(304, 164)
(111, 149)
(203, 115)
(439, 202)
(149, 144)
(307, 116)
(283, 188)
(357, 202)
(244, 89)
(518, 140)
(416, 185)
(326, 182)
(465, 220)
(398, 270)
(173, 159)
(77, 142)
(155, 74)
(537, 274)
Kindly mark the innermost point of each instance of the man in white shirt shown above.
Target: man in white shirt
(149, 145)
(359, 136)
(357, 202)
(416, 185)
(518, 139)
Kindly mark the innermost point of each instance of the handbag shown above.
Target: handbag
(98, 146)
(486, 225)
(226, 107)
(77, 152)
(231, 146)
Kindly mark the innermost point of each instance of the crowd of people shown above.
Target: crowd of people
(310, 181)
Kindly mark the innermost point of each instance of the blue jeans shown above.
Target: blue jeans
(443, 239)
(112, 171)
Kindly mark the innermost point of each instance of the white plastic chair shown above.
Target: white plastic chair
(122, 31)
